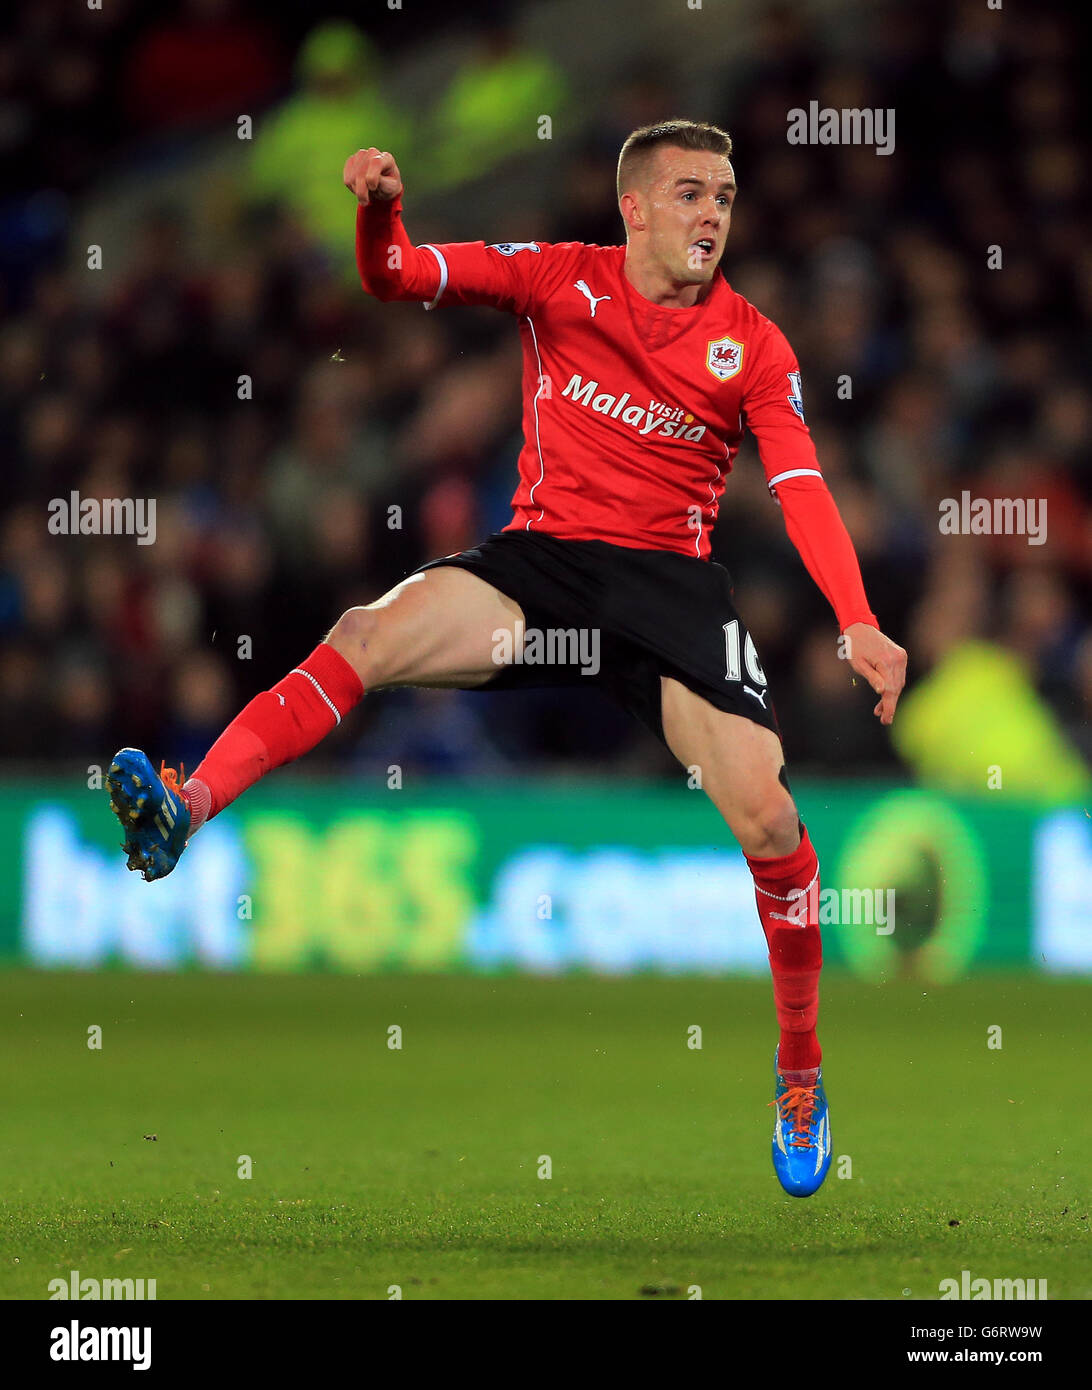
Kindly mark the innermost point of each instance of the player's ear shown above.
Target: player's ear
(632, 215)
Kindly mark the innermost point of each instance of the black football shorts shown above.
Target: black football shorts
(620, 618)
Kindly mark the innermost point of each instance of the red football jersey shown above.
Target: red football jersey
(632, 413)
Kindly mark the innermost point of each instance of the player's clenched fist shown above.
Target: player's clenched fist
(372, 175)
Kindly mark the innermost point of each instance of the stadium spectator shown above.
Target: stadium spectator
(340, 97)
(492, 109)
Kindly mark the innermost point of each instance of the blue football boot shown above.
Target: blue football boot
(801, 1139)
(152, 811)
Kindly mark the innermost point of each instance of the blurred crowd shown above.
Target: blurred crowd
(307, 447)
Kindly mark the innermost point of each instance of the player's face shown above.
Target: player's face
(688, 210)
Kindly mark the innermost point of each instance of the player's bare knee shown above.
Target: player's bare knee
(357, 637)
(770, 828)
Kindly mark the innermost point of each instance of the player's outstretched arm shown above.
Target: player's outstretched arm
(774, 408)
(507, 275)
(817, 531)
(390, 266)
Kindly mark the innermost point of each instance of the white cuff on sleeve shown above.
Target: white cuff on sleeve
(443, 274)
(794, 473)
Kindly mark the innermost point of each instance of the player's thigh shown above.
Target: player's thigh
(740, 764)
(439, 628)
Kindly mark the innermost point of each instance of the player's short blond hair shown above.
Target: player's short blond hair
(686, 135)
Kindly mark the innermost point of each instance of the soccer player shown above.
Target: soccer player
(641, 369)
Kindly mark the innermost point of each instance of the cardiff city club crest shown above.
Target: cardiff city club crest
(724, 358)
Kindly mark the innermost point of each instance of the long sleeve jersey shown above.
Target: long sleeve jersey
(632, 413)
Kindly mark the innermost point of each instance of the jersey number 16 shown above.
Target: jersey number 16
(732, 654)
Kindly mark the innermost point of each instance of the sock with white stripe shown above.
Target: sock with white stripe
(787, 893)
(278, 726)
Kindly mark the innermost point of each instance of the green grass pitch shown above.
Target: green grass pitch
(419, 1167)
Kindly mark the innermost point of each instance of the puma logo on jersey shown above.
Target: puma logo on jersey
(760, 698)
(593, 300)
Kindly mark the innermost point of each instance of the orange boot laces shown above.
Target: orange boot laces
(170, 778)
(797, 1105)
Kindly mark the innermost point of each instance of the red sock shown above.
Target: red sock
(278, 726)
(787, 892)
